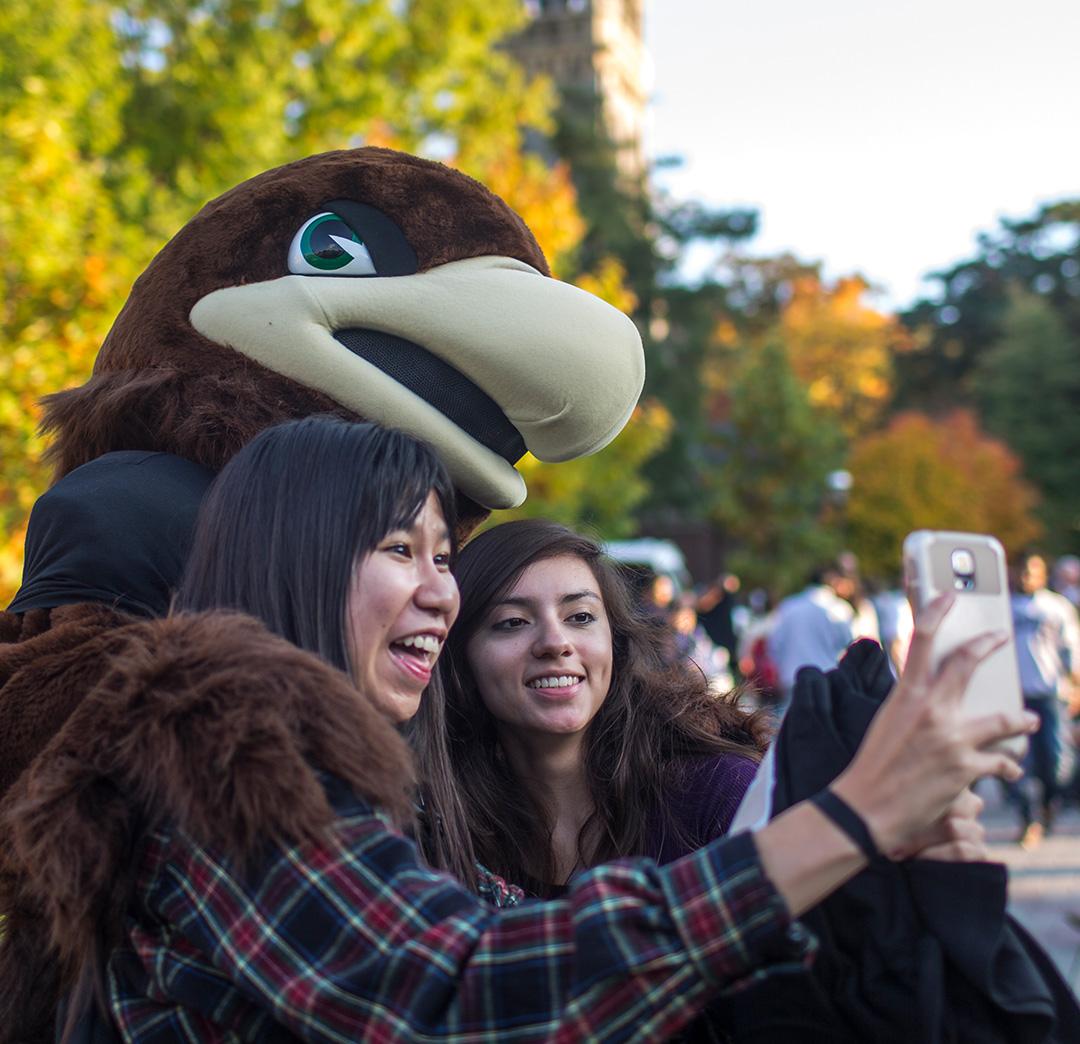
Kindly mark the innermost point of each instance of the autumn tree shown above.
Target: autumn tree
(601, 492)
(921, 473)
(66, 255)
(841, 349)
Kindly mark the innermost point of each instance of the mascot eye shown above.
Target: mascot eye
(325, 245)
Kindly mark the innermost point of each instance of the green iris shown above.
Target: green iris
(320, 250)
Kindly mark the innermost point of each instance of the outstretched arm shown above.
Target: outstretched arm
(353, 938)
(917, 758)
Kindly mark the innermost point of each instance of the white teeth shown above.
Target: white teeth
(424, 642)
(562, 682)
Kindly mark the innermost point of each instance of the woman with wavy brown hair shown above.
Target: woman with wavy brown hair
(572, 741)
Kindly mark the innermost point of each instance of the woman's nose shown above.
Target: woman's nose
(551, 640)
(438, 592)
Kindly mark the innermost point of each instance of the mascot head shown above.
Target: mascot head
(367, 284)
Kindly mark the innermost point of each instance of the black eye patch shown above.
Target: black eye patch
(390, 251)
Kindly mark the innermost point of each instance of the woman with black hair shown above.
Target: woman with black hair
(210, 846)
(574, 739)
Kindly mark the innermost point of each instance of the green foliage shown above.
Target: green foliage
(601, 492)
(768, 485)
(959, 323)
(618, 212)
(921, 473)
(1027, 386)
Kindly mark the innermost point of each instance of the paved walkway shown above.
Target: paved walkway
(1044, 883)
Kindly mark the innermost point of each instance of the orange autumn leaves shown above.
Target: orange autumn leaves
(841, 349)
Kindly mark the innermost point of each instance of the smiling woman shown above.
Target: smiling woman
(571, 741)
(401, 603)
(339, 538)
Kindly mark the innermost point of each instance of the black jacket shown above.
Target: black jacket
(917, 951)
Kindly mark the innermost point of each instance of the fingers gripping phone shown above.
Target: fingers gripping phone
(973, 566)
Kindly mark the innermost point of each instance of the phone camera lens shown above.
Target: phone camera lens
(963, 562)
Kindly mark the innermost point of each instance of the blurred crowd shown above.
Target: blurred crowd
(742, 638)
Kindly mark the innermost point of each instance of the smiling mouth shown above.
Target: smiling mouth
(417, 653)
(556, 682)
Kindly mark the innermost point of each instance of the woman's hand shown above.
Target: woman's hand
(920, 752)
(958, 837)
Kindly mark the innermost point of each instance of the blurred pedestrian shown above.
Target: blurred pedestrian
(896, 624)
(756, 666)
(850, 587)
(715, 610)
(696, 647)
(813, 627)
(1066, 579)
(1048, 649)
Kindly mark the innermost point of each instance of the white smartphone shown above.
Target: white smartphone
(973, 566)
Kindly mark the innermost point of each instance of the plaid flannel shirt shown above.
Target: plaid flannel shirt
(353, 938)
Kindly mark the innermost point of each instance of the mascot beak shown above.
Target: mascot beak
(483, 358)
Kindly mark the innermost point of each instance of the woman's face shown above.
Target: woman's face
(401, 603)
(542, 656)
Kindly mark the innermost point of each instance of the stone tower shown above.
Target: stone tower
(594, 45)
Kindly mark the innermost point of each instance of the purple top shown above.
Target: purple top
(704, 802)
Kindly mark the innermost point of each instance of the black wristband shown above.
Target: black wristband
(848, 820)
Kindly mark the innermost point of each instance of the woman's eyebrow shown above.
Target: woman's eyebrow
(577, 596)
(574, 596)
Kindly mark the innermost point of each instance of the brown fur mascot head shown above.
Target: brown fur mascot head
(368, 284)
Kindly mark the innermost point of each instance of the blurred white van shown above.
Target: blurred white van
(648, 554)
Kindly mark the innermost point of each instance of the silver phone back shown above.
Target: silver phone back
(985, 607)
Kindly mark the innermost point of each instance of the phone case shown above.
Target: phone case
(931, 561)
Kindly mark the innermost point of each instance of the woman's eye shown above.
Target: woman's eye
(398, 549)
(443, 560)
(326, 246)
(583, 617)
(511, 623)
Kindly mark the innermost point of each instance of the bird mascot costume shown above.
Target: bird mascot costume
(366, 284)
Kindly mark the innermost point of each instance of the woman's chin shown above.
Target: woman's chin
(567, 724)
(402, 706)
(398, 702)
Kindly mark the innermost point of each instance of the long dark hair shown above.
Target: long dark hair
(289, 515)
(654, 720)
(278, 535)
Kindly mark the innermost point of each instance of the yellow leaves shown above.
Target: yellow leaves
(608, 282)
(840, 348)
(544, 197)
(63, 275)
(11, 547)
(725, 333)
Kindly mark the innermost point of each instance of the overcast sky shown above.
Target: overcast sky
(876, 135)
